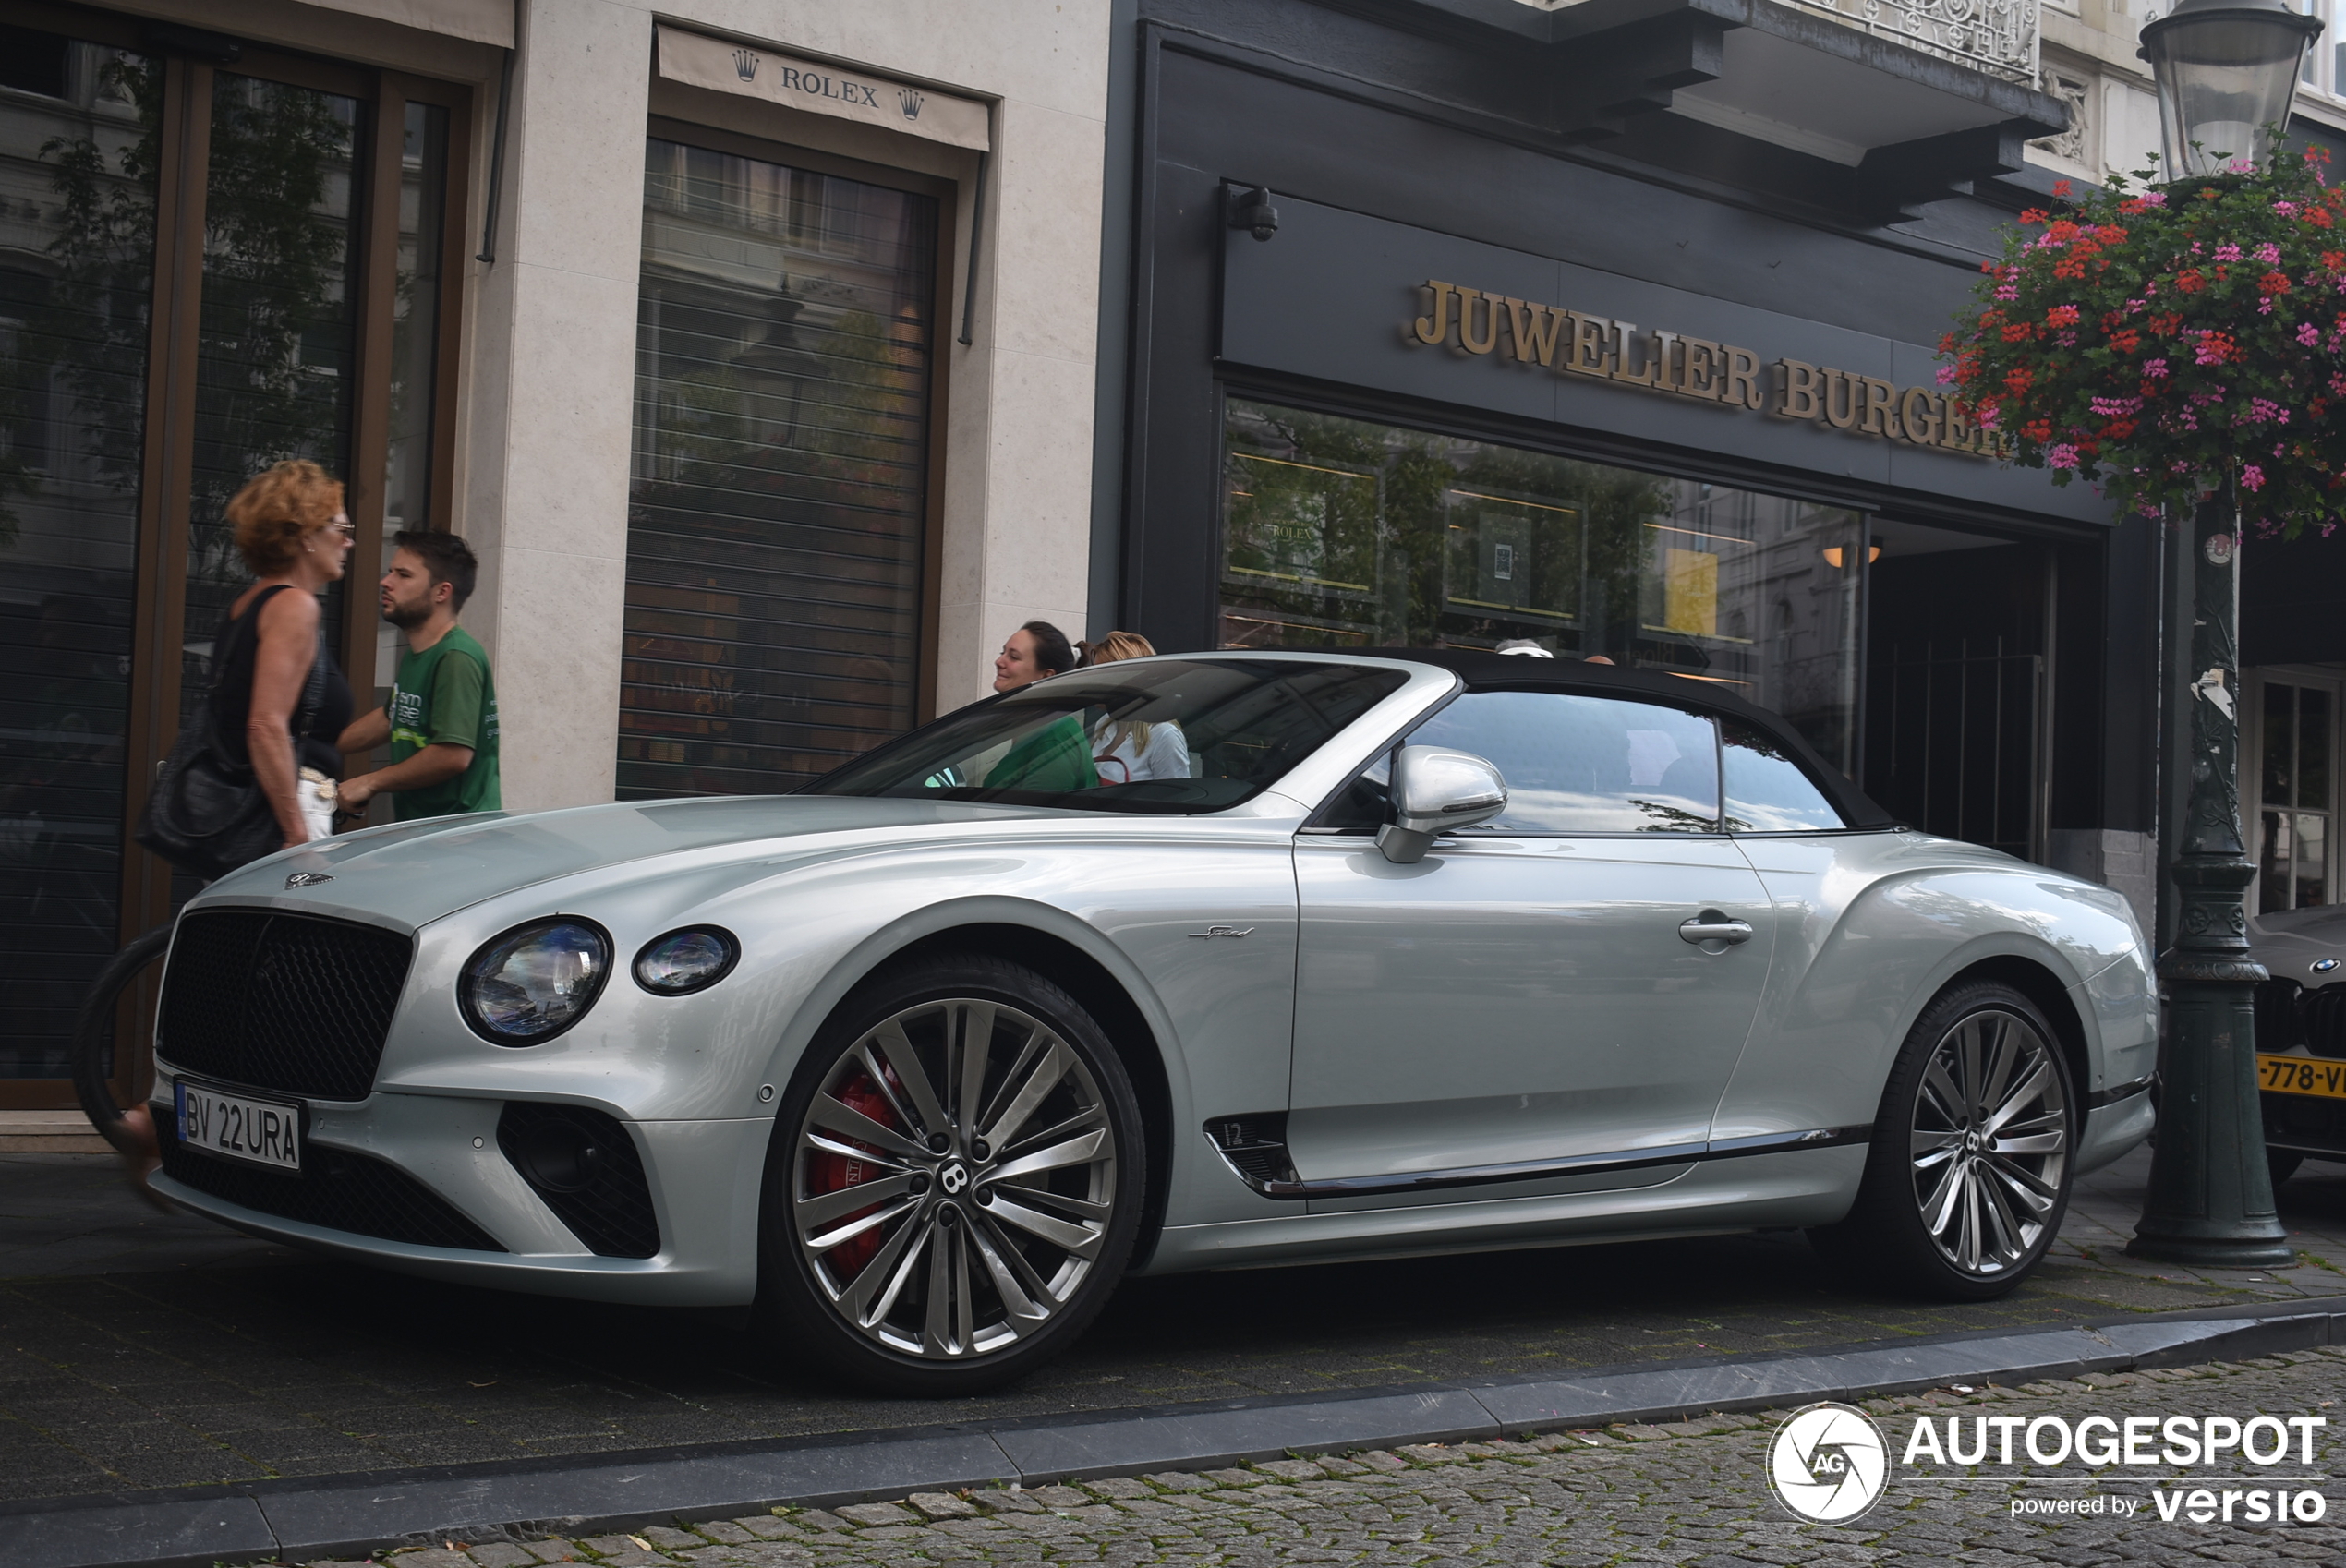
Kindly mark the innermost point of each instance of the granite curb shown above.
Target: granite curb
(312, 1518)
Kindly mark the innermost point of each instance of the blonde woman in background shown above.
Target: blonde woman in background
(1130, 751)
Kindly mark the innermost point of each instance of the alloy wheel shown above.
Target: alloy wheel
(954, 1180)
(1990, 1141)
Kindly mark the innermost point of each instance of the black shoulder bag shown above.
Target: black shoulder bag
(208, 812)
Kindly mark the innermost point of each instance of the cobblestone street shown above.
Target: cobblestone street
(139, 1351)
(1691, 1493)
(148, 1351)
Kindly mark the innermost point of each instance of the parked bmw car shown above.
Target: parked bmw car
(2301, 1034)
(1424, 952)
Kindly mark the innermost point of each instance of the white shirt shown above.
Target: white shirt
(1167, 756)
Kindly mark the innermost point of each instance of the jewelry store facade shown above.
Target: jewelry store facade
(730, 340)
(1610, 329)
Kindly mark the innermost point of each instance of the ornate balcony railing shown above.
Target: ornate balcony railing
(1995, 36)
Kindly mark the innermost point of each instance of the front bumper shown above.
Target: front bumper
(704, 1178)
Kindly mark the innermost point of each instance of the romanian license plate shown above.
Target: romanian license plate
(2302, 1075)
(234, 1126)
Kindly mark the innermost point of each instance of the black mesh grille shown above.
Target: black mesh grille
(602, 1197)
(287, 1002)
(2277, 1028)
(336, 1191)
(2321, 1015)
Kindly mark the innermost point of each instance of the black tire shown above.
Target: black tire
(947, 1284)
(93, 1035)
(2282, 1164)
(1955, 1203)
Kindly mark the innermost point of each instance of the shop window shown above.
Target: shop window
(299, 219)
(1341, 533)
(2297, 790)
(778, 523)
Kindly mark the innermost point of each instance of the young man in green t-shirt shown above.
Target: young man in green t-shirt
(441, 721)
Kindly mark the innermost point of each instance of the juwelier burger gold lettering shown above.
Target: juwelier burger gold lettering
(1575, 342)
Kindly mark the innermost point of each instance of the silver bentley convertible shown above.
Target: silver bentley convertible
(1191, 962)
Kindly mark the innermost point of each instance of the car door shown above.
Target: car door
(1531, 992)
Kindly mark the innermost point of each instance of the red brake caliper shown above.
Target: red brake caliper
(836, 1172)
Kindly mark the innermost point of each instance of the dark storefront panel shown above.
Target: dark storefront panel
(280, 211)
(1481, 382)
(779, 514)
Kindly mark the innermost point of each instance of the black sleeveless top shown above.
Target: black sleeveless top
(240, 643)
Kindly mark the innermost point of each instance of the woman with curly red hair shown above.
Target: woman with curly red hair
(295, 539)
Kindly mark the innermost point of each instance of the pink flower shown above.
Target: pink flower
(2061, 456)
(2252, 476)
(2270, 254)
(2007, 291)
(2228, 252)
(2155, 368)
(1946, 375)
(2264, 411)
(2153, 199)
(2286, 209)
(2309, 334)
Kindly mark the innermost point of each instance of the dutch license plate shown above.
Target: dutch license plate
(2302, 1075)
(232, 1127)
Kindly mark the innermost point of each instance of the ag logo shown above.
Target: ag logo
(1827, 1464)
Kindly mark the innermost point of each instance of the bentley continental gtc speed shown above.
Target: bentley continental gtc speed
(1188, 962)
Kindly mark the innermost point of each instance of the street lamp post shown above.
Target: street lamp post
(2226, 71)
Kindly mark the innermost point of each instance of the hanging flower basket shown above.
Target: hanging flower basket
(2169, 343)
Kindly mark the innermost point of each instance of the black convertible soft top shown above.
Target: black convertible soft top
(1485, 672)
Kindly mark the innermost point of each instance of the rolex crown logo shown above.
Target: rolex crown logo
(912, 101)
(745, 62)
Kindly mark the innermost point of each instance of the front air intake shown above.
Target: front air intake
(584, 1165)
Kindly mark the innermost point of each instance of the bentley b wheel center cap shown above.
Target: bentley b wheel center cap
(953, 1179)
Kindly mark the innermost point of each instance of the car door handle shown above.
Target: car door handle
(1712, 926)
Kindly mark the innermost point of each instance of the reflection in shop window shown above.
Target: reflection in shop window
(1341, 533)
(74, 280)
(777, 510)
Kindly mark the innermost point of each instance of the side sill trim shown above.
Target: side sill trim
(1578, 1164)
(2116, 1092)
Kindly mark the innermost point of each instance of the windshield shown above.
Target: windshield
(1163, 735)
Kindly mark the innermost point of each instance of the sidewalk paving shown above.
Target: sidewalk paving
(139, 1350)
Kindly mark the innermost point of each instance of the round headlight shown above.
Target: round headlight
(686, 962)
(535, 980)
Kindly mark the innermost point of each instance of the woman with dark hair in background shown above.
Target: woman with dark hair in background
(1056, 757)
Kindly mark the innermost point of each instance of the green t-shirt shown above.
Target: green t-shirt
(1054, 759)
(444, 696)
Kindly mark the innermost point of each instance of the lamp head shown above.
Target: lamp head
(2227, 69)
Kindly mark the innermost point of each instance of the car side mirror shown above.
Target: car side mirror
(1437, 790)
